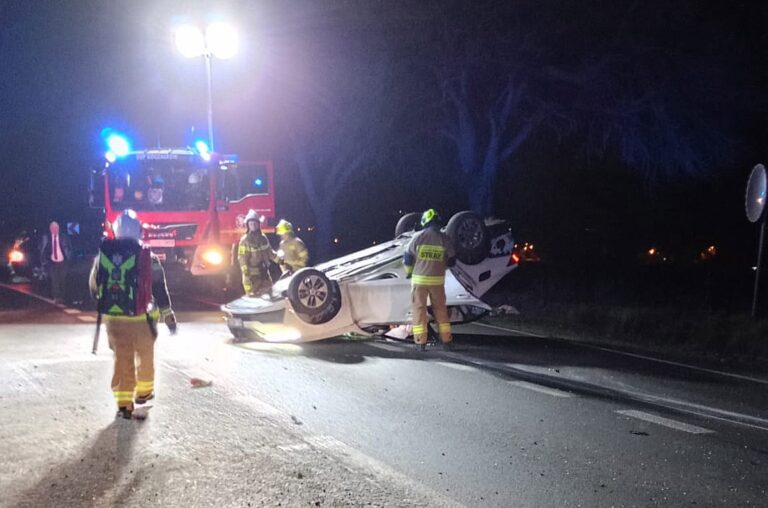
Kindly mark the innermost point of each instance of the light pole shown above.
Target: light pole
(219, 40)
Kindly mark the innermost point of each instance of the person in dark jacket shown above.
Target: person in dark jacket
(55, 253)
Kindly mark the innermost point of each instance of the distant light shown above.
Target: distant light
(222, 40)
(110, 156)
(652, 251)
(258, 182)
(16, 256)
(118, 145)
(335, 240)
(189, 41)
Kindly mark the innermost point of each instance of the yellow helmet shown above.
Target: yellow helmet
(284, 227)
(428, 217)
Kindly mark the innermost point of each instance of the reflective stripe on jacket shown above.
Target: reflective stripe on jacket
(254, 253)
(426, 257)
(295, 253)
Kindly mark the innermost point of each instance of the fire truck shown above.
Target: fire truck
(192, 203)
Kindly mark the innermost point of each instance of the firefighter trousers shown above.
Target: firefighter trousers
(257, 285)
(133, 342)
(420, 295)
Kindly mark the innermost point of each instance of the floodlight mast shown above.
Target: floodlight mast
(220, 41)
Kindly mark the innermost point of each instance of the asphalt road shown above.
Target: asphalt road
(507, 419)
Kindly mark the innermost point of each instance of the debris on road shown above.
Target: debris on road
(505, 310)
(196, 382)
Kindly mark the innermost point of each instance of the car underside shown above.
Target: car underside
(367, 292)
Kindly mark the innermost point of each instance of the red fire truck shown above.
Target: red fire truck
(192, 204)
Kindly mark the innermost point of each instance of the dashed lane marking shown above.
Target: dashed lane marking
(86, 318)
(666, 422)
(541, 389)
(641, 356)
(72, 311)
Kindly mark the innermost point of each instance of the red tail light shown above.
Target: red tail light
(514, 259)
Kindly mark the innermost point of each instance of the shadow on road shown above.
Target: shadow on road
(85, 480)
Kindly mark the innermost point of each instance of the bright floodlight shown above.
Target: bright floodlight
(118, 145)
(111, 157)
(189, 41)
(222, 40)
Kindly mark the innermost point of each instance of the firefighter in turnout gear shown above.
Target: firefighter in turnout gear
(427, 256)
(292, 254)
(128, 282)
(254, 254)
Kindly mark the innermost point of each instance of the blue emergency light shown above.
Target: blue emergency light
(203, 149)
(118, 145)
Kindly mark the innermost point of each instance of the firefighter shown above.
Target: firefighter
(292, 254)
(128, 282)
(426, 258)
(254, 253)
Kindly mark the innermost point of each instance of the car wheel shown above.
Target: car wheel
(469, 235)
(408, 222)
(314, 297)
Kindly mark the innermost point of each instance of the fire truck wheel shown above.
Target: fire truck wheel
(408, 222)
(314, 297)
(469, 236)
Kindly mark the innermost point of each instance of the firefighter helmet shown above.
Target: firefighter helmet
(127, 225)
(284, 227)
(429, 217)
(252, 215)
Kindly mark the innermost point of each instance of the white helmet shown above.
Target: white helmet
(253, 216)
(127, 225)
(194, 178)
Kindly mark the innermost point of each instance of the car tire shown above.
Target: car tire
(469, 235)
(314, 297)
(408, 222)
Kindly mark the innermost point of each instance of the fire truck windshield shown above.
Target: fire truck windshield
(161, 185)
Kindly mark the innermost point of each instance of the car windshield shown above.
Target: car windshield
(162, 185)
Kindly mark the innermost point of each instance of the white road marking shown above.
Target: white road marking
(72, 311)
(29, 293)
(541, 389)
(332, 446)
(376, 468)
(87, 319)
(457, 366)
(641, 356)
(667, 422)
(61, 359)
(296, 447)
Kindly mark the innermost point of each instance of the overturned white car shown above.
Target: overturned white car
(367, 292)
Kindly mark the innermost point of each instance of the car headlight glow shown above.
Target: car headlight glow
(16, 256)
(213, 257)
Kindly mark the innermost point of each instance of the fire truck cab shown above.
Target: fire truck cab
(191, 204)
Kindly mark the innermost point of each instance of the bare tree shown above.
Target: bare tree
(508, 74)
(341, 136)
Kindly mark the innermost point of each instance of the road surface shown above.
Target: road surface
(506, 419)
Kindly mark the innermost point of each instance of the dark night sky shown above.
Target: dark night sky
(73, 68)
